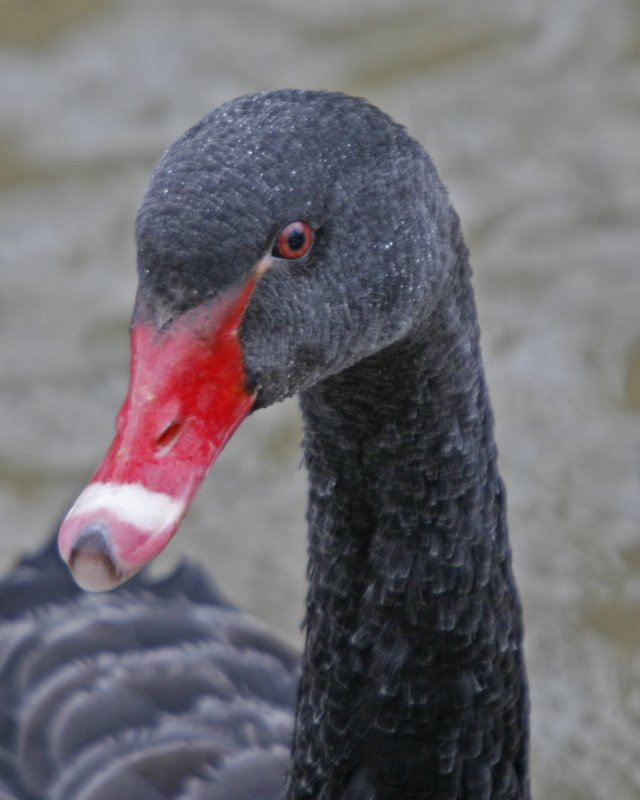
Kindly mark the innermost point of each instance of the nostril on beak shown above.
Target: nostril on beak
(91, 560)
(168, 436)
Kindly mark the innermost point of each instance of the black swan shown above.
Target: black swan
(290, 242)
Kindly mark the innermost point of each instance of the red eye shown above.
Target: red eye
(293, 241)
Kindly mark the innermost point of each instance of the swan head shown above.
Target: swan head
(282, 239)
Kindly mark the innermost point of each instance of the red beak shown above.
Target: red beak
(187, 395)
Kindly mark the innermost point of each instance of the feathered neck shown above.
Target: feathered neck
(413, 681)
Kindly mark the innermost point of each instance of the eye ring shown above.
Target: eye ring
(294, 241)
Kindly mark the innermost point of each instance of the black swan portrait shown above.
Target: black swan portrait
(289, 243)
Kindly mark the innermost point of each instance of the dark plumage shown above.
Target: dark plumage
(412, 679)
(127, 694)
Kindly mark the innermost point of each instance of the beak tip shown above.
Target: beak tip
(91, 560)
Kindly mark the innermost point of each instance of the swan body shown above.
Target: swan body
(289, 243)
(157, 689)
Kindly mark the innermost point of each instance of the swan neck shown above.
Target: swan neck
(413, 673)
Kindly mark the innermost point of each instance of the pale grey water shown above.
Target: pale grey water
(532, 112)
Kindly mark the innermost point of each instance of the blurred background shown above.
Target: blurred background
(531, 109)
